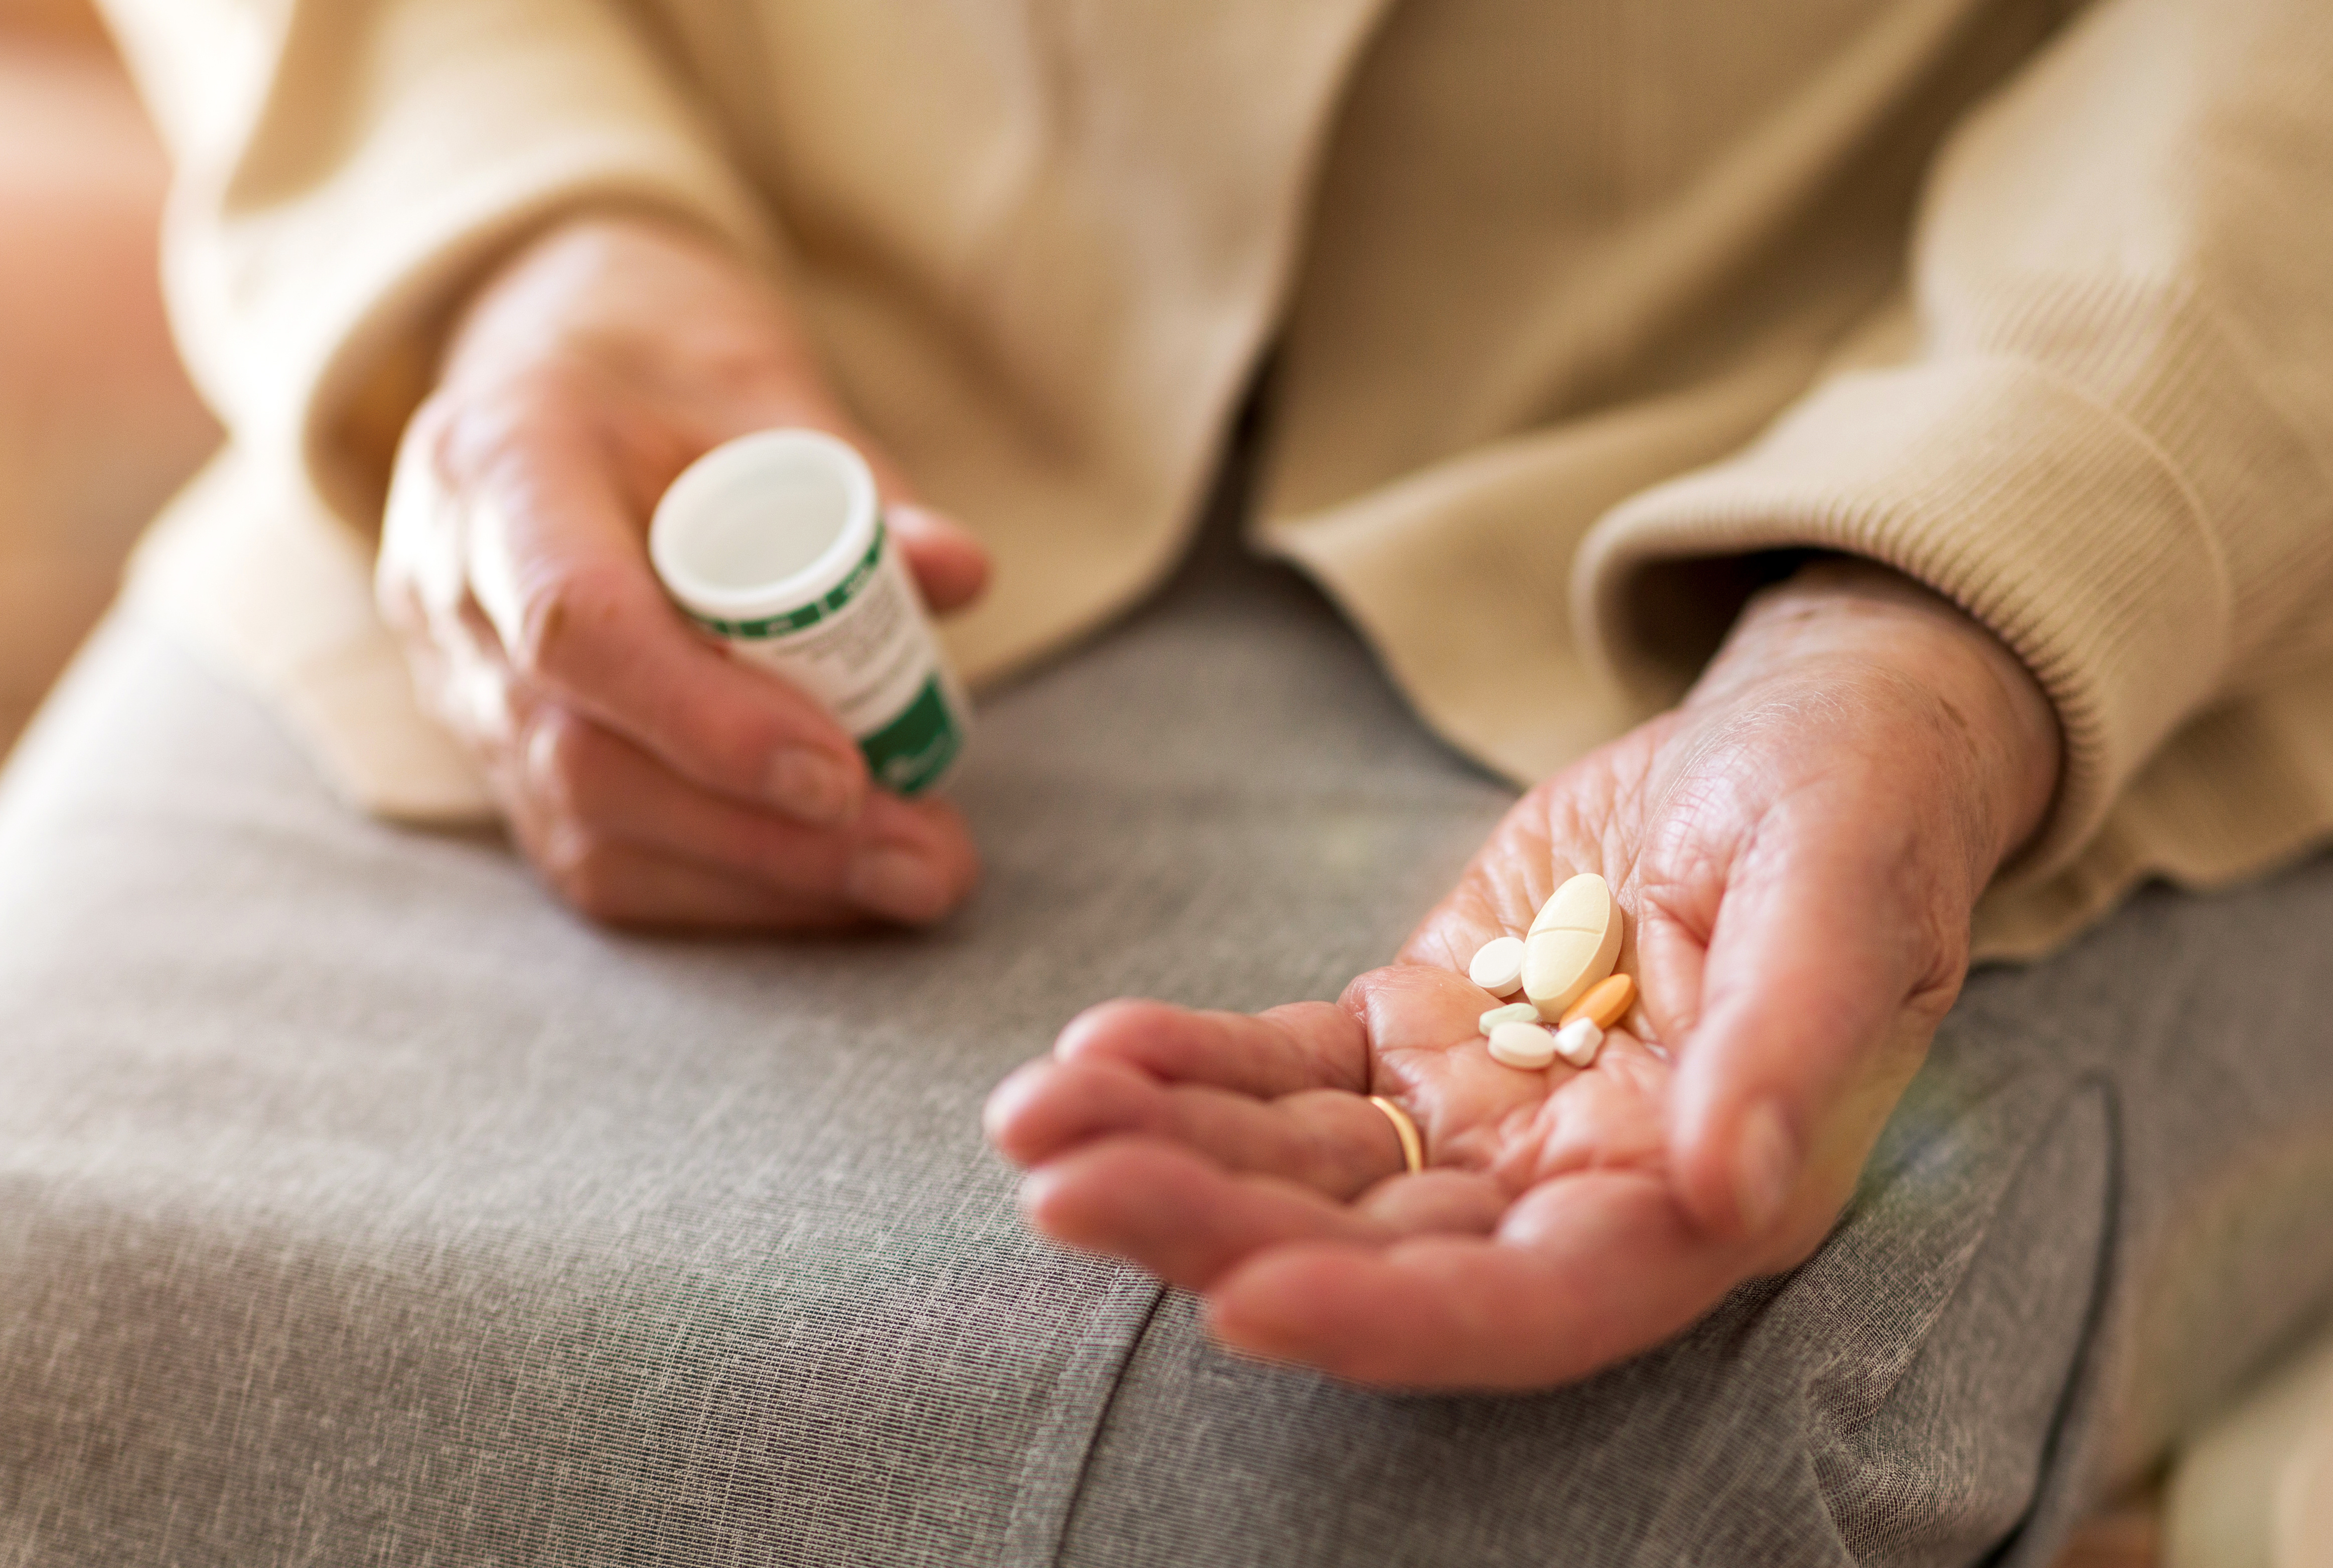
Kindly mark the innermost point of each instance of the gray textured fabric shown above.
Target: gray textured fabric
(358, 1205)
(1890, 1404)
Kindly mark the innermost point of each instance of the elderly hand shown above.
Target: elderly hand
(1797, 846)
(650, 778)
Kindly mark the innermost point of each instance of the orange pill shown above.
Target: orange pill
(1607, 1001)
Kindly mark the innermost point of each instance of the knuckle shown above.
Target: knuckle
(585, 869)
(566, 610)
(478, 425)
(396, 594)
(559, 749)
(429, 433)
(415, 522)
(446, 698)
(540, 401)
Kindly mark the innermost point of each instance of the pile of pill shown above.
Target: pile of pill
(1564, 966)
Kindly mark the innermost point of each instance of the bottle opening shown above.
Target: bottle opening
(765, 519)
(758, 534)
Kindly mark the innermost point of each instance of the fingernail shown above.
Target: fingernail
(1765, 1167)
(898, 884)
(812, 785)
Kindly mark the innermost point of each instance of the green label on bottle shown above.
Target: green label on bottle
(810, 614)
(909, 754)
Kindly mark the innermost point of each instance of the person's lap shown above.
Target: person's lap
(361, 1205)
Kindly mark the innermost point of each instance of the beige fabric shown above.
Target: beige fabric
(244, 570)
(2254, 1489)
(1580, 305)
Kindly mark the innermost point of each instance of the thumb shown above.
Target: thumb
(1818, 996)
(950, 567)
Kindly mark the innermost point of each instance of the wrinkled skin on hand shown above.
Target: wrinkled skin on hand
(1799, 847)
(650, 778)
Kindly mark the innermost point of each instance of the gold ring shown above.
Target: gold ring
(1413, 1147)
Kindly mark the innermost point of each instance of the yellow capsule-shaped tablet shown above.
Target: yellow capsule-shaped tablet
(1606, 1002)
(1573, 943)
(1512, 1013)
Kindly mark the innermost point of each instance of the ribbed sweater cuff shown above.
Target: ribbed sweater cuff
(2047, 517)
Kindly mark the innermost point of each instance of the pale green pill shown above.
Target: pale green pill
(1512, 1013)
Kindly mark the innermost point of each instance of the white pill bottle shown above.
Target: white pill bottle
(775, 543)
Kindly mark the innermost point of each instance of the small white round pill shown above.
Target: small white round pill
(1526, 1045)
(1498, 965)
(1512, 1013)
(1578, 1041)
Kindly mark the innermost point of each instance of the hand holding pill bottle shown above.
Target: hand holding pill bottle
(649, 777)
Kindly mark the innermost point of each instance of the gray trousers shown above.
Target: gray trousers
(359, 1206)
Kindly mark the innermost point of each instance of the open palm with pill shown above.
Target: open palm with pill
(1796, 851)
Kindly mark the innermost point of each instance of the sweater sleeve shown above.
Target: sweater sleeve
(2110, 437)
(347, 169)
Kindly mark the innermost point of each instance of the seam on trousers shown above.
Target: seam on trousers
(2061, 1491)
(1900, 1165)
(1052, 1475)
(2066, 1100)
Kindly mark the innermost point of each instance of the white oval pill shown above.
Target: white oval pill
(1574, 942)
(1526, 1045)
(1578, 1041)
(1498, 965)
(1512, 1013)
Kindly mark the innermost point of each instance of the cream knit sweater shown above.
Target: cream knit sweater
(1580, 306)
